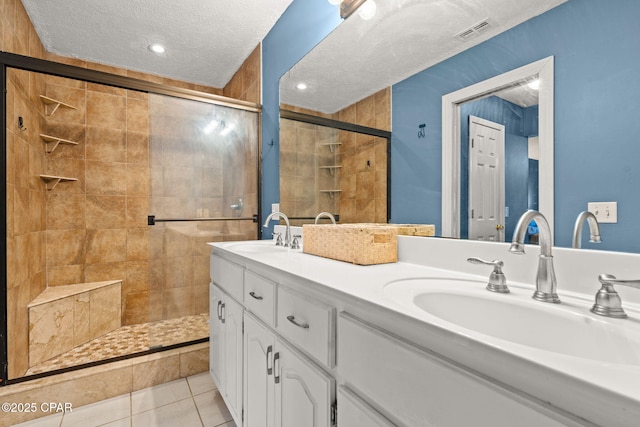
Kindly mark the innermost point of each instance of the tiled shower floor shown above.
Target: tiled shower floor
(130, 339)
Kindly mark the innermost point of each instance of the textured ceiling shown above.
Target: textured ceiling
(362, 57)
(206, 40)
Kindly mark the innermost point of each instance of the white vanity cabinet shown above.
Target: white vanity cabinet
(282, 387)
(264, 380)
(309, 324)
(260, 297)
(259, 384)
(322, 334)
(419, 389)
(215, 330)
(226, 348)
(304, 393)
(225, 323)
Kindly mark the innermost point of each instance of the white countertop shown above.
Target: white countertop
(603, 393)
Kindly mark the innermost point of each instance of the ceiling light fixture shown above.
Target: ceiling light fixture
(301, 86)
(347, 7)
(535, 85)
(156, 48)
(367, 10)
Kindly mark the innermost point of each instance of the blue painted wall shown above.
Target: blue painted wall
(596, 44)
(299, 29)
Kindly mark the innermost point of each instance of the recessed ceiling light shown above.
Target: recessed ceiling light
(156, 48)
(301, 86)
(535, 84)
(367, 10)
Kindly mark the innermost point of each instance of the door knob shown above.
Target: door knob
(499, 227)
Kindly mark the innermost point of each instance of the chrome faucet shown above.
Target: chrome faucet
(594, 229)
(546, 276)
(325, 214)
(287, 235)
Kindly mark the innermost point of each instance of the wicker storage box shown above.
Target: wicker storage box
(363, 244)
(427, 230)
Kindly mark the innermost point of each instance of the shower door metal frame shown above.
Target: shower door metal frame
(26, 63)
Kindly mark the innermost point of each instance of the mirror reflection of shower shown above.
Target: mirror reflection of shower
(324, 168)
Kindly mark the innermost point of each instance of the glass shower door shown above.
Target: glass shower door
(203, 188)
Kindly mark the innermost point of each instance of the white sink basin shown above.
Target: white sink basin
(568, 328)
(255, 246)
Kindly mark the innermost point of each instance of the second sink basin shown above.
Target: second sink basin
(568, 328)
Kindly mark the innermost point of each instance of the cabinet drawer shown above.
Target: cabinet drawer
(421, 390)
(228, 275)
(259, 296)
(308, 323)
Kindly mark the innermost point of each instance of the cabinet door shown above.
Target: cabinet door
(354, 412)
(304, 393)
(259, 344)
(232, 359)
(215, 328)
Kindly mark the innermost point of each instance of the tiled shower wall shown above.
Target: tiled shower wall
(26, 204)
(25, 240)
(96, 227)
(362, 178)
(301, 178)
(114, 239)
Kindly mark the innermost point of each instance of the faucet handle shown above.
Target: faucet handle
(608, 302)
(497, 279)
(495, 262)
(278, 237)
(295, 243)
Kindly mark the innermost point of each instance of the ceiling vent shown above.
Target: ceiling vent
(475, 29)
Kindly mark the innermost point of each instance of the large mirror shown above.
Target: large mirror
(425, 51)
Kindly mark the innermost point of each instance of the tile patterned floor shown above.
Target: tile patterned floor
(130, 339)
(190, 402)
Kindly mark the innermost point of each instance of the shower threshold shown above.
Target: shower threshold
(128, 340)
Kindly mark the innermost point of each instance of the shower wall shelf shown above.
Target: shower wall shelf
(50, 101)
(331, 193)
(51, 180)
(55, 141)
(331, 145)
(331, 169)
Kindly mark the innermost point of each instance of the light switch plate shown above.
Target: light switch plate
(605, 212)
(275, 207)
